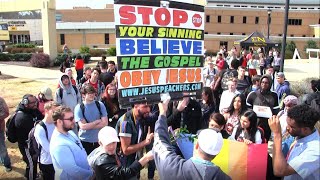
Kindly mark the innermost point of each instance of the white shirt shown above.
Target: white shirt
(226, 99)
(41, 138)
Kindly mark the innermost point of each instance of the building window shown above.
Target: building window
(231, 19)
(62, 39)
(243, 34)
(295, 22)
(58, 17)
(319, 21)
(219, 19)
(303, 35)
(291, 35)
(231, 33)
(207, 18)
(244, 19)
(257, 20)
(106, 39)
(280, 35)
(206, 33)
(224, 43)
(218, 33)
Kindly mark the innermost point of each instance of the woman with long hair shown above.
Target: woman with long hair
(232, 115)
(207, 106)
(110, 100)
(248, 131)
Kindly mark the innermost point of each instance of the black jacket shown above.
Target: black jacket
(191, 116)
(105, 167)
(24, 122)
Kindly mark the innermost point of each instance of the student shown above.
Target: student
(248, 131)
(107, 166)
(69, 158)
(303, 159)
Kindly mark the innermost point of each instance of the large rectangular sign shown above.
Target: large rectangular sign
(4, 32)
(159, 49)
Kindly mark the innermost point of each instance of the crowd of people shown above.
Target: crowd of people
(86, 135)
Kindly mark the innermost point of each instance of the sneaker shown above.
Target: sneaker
(8, 169)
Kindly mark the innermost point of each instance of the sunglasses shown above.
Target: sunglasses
(70, 119)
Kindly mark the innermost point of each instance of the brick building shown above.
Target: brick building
(226, 22)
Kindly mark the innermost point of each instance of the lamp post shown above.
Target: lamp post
(284, 38)
(269, 19)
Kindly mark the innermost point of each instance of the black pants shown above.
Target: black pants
(89, 147)
(25, 159)
(151, 164)
(47, 171)
(261, 70)
(79, 74)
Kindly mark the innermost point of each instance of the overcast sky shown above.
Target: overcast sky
(94, 4)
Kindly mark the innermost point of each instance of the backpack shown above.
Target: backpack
(61, 91)
(315, 104)
(225, 78)
(264, 140)
(83, 109)
(33, 148)
(11, 128)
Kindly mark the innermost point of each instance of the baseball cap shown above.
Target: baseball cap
(47, 92)
(108, 135)
(280, 74)
(210, 141)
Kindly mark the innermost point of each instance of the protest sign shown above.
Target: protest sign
(159, 49)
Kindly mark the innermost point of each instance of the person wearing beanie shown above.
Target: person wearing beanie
(105, 161)
(44, 96)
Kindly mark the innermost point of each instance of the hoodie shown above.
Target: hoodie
(24, 121)
(264, 98)
(70, 97)
(283, 89)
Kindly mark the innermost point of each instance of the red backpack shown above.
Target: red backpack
(261, 130)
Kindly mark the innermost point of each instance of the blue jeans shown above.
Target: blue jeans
(4, 157)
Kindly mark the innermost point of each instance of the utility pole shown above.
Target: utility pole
(284, 38)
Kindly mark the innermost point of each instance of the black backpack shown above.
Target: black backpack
(33, 148)
(83, 109)
(11, 128)
(315, 104)
(61, 91)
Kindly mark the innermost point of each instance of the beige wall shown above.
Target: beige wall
(76, 40)
(83, 15)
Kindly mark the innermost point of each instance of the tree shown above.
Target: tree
(311, 44)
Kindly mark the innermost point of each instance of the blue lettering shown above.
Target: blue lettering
(186, 46)
(143, 46)
(127, 46)
(154, 49)
(197, 47)
(173, 47)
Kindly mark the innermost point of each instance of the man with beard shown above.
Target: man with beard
(131, 129)
(68, 155)
(27, 114)
(302, 161)
(266, 98)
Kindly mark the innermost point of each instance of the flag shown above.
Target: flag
(241, 161)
